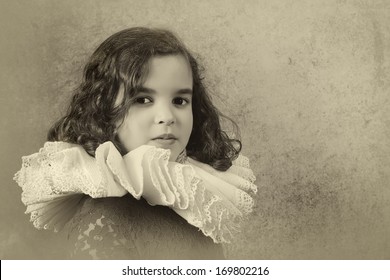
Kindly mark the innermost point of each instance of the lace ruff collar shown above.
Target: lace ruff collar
(54, 180)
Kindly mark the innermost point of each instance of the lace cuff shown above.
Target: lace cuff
(55, 179)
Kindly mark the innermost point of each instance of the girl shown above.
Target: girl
(139, 167)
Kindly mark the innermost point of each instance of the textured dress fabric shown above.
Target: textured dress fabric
(137, 206)
(126, 228)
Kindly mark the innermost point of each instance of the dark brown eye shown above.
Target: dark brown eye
(180, 101)
(142, 100)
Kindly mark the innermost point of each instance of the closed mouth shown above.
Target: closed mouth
(165, 137)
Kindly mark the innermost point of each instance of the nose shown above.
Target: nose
(164, 115)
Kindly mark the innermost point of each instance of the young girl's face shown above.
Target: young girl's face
(161, 114)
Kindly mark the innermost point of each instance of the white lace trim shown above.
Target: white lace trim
(54, 180)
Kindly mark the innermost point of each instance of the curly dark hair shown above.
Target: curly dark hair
(122, 60)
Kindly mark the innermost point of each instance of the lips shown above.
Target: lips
(165, 140)
(165, 137)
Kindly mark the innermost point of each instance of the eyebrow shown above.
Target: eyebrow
(152, 91)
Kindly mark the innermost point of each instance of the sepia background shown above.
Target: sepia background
(307, 82)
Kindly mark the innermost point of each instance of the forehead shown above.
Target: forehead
(169, 71)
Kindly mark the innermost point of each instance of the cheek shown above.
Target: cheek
(124, 135)
(191, 122)
(188, 122)
(131, 133)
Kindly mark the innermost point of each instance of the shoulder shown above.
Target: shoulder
(96, 231)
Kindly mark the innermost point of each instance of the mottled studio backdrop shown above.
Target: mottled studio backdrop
(307, 82)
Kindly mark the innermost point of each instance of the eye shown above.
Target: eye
(180, 101)
(143, 100)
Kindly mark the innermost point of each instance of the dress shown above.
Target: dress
(126, 228)
(139, 206)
